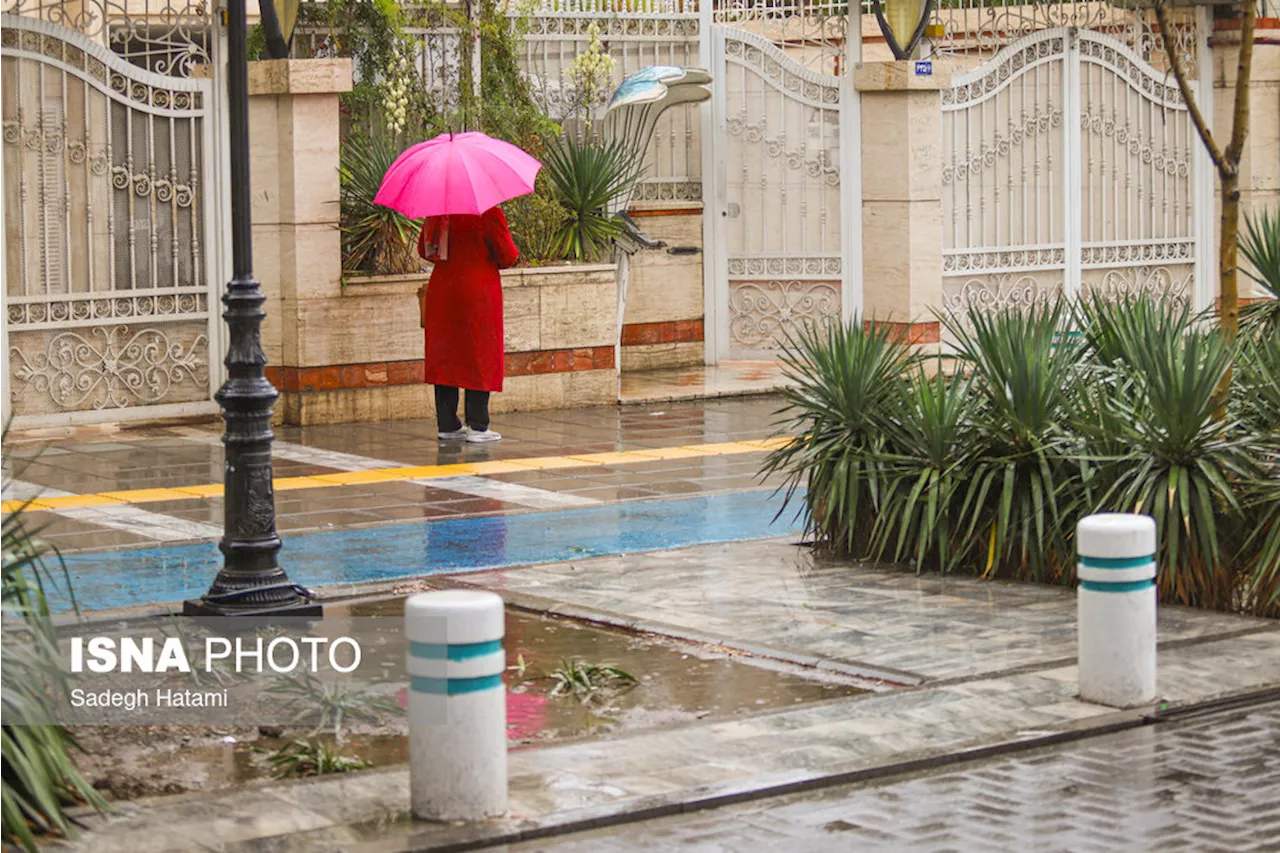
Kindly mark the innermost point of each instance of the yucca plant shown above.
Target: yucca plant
(1258, 373)
(586, 176)
(1260, 245)
(40, 780)
(1105, 323)
(375, 239)
(1260, 556)
(926, 469)
(1023, 488)
(1180, 464)
(537, 222)
(846, 379)
(1258, 405)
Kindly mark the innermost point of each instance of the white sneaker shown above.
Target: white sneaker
(459, 434)
(478, 436)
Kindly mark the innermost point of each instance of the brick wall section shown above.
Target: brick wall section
(911, 333)
(383, 374)
(673, 332)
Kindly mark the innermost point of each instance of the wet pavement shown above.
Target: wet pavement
(729, 378)
(968, 697)
(648, 517)
(674, 684)
(546, 460)
(1212, 784)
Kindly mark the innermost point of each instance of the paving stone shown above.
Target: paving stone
(1204, 785)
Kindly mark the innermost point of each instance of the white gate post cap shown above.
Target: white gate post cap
(1116, 535)
(454, 617)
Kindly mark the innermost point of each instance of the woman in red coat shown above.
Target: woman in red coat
(462, 317)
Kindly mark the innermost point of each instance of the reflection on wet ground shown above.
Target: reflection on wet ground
(675, 684)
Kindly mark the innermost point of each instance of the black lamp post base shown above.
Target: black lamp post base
(302, 608)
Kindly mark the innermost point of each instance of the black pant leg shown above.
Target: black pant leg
(447, 408)
(477, 406)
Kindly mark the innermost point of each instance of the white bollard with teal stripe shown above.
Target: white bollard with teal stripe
(457, 705)
(1116, 609)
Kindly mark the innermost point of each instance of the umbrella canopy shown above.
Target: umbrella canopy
(456, 173)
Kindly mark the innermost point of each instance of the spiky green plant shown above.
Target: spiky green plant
(585, 177)
(1105, 322)
(328, 705)
(1260, 245)
(312, 758)
(537, 223)
(927, 469)
(845, 379)
(1022, 492)
(375, 240)
(1180, 464)
(40, 779)
(586, 679)
(1258, 405)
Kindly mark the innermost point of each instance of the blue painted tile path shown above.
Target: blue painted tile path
(168, 574)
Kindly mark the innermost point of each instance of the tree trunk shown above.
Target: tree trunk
(1229, 255)
(1228, 271)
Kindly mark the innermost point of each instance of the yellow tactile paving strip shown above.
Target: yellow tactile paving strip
(417, 472)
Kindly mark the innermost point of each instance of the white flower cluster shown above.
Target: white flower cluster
(396, 99)
(592, 72)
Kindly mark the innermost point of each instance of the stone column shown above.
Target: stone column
(902, 194)
(294, 138)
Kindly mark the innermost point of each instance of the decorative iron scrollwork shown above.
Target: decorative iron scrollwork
(762, 312)
(123, 369)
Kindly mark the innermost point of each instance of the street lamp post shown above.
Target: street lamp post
(251, 581)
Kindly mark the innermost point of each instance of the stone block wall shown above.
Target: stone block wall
(362, 356)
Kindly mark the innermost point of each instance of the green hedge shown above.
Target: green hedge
(984, 463)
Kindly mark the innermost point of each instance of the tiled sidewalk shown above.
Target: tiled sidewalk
(881, 618)
(191, 458)
(776, 595)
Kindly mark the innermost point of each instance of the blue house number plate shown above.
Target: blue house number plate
(924, 68)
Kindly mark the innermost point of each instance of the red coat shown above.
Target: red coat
(462, 308)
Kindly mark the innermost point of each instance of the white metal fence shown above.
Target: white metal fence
(1071, 166)
(112, 263)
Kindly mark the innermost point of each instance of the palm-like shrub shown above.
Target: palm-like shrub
(375, 240)
(585, 177)
(926, 468)
(1259, 409)
(847, 379)
(1107, 324)
(1181, 465)
(989, 470)
(1021, 489)
(40, 780)
(1260, 245)
(537, 223)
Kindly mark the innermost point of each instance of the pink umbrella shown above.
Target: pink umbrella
(456, 174)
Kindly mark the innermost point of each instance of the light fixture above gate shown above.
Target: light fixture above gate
(903, 24)
(279, 17)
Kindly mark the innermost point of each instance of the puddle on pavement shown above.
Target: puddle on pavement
(675, 684)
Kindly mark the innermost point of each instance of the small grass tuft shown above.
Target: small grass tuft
(311, 758)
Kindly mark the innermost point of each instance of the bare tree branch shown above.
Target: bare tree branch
(1174, 53)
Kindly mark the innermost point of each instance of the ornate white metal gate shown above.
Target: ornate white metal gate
(780, 253)
(111, 274)
(1074, 168)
